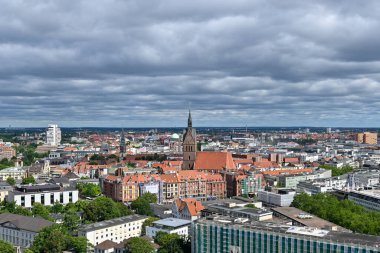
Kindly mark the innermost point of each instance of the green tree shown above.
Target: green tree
(11, 181)
(28, 180)
(103, 208)
(71, 220)
(40, 210)
(138, 245)
(6, 247)
(170, 242)
(89, 189)
(51, 239)
(97, 157)
(147, 223)
(57, 208)
(79, 244)
(142, 204)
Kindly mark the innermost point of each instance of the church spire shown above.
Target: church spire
(189, 120)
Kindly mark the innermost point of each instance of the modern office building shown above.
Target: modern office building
(20, 230)
(226, 235)
(53, 135)
(46, 194)
(279, 198)
(115, 230)
(170, 226)
(369, 199)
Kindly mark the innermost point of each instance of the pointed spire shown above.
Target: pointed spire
(189, 120)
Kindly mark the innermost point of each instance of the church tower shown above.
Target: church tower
(189, 146)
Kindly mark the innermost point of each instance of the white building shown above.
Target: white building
(47, 195)
(20, 230)
(115, 230)
(14, 172)
(53, 135)
(282, 198)
(170, 226)
(369, 199)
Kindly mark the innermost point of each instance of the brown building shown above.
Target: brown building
(6, 152)
(367, 138)
(214, 161)
(189, 145)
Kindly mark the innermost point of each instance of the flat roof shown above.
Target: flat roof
(173, 222)
(309, 220)
(111, 223)
(332, 236)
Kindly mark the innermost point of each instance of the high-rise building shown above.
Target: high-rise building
(189, 145)
(228, 235)
(53, 135)
(366, 138)
(123, 146)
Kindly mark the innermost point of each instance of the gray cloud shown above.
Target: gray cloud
(139, 63)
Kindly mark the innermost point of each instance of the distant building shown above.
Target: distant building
(20, 230)
(189, 145)
(14, 172)
(53, 135)
(366, 138)
(170, 226)
(115, 230)
(123, 145)
(6, 152)
(46, 194)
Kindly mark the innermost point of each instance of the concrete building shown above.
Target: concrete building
(170, 226)
(279, 198)
(20, 230)
(369, 199)
(14, 172)
(367, 138)
(53, 135)
(115, 230)
(226, 235)
(46, 194)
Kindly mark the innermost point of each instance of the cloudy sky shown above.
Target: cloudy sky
(141, 63)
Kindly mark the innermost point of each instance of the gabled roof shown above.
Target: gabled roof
(214, 161)
(107, 244)
(194, 206)
(24, 222)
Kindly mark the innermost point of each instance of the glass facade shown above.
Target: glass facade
(225, 238)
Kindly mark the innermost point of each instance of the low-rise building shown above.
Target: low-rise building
(46, 194)
(20, 230)
(279, 198)
(187, 209)
(369, 199)
(170, 226)
(115, 230)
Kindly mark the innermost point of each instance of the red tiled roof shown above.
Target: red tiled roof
(214, 161)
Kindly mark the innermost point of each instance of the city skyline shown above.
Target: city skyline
(141, 63)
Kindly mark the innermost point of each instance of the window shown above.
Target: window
(61, 197)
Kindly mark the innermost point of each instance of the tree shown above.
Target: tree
(170, 242)
(40, 210)
(147, 223)
(142, 204)
(79, 244)
(11, 181)
(71, 220)
(89, 189)
(138, 245)
(103, 208)
(57, 207)
(28, 180)
(97, 157)
(51, 239)
(6, 247)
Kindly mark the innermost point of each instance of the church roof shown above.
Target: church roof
(214, 161)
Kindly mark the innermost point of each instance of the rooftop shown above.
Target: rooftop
(172, 222)
(110, 223)
(321, 235)
(24, 222)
